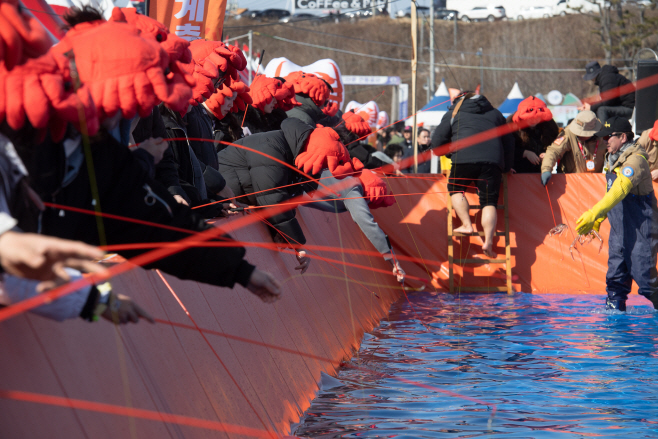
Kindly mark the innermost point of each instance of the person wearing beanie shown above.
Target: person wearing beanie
(271, 98)
(576, 150)
(649, 141)
(258, 180)
(630, 206)
(59, 172)
(609, 79)
(312, 92)
(538, 132)
(481, 165)
(352, 130)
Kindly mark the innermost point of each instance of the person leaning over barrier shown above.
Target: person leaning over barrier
(630, 206)
(649, 141)
(576, 150)
(609, 79)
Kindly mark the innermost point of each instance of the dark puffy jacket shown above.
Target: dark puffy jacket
(307, 112)
(609, 78)
(247, 172)
(200, 126)
(536, 139)
(475, 116)
(259, 122)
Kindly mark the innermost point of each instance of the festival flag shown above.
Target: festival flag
(191, 19)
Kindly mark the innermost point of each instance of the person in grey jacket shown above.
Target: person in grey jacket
(481, 164)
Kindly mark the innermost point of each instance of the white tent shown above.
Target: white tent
(512, 102)
(430, 115)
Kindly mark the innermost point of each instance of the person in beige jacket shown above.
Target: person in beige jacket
(576, 150)
(649, 141)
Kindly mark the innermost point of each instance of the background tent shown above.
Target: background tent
(430, 115)
(568, 110)
(512, 102)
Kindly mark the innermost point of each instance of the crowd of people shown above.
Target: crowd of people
(123, 133)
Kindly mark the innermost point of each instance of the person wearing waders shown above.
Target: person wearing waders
(630, 205)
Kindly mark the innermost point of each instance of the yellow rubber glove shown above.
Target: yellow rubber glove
(597, 224)
(597, 214)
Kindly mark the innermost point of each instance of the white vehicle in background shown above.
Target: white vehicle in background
(565, 7)
(534, 12)
(481, 13)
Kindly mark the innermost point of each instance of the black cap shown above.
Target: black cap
(408, 128)
(615, 124)
(592, 69)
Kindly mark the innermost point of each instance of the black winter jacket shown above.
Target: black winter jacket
(247, 172)
(200, 126)
(609, 78)
(357, 148)
(536, 139)
(258, 122)
(475, 116)
(307, 112)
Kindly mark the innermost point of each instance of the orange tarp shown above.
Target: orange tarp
(540, 264)
(174, 370)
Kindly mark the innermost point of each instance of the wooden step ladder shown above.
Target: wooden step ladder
(452, 260)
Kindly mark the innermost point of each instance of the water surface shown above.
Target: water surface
(519, 366)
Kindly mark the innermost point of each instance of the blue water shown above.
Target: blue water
(549, 365)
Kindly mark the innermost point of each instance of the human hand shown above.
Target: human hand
(585, 107)
(512, 171)
(43, 258)
(180, 200)
(156, 147)
(542, 155)
(545, 176)
(531, 156)
(654, 175)
(264, 286)
(397, 270)
(121, 309)
(304, 261)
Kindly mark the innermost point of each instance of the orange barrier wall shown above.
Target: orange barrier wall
(540, 264)
(175, 370)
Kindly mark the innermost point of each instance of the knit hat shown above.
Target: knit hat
(331, 109)
(21, 36)
(356, 124)
(310, 85)
(43, 93)
(209, 58)
(216, 100)
(532, 111)
(653, 134)
(123, 70)
(176, 47)
(375, 190)
(263, 89)
(585, 124)
(324, 150)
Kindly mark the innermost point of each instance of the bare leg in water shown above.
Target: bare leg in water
(460, 204)
(489, 218)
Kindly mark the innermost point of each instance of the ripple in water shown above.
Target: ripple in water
(518, 366)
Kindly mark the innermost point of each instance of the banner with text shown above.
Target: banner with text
(191, 19)
(340, 4)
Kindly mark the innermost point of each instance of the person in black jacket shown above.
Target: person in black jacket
(481, 164)
(259, 180)
(609, 79)
(532, 141)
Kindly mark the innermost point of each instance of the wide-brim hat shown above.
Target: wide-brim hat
(592, 70)
(585, 124)
(615, 124)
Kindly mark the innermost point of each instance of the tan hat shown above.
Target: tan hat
(585, 124)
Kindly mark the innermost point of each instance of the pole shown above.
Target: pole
(479, 53)
(251, 41)
(454, 32)
(414, 64)
(432, 81)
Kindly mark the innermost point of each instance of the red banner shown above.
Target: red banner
(191, 19)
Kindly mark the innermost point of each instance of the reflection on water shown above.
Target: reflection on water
(552, 366)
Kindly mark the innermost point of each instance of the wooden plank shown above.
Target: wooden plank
(479, 261)
(508, 251)
(478, 234)
(451, 278)
(484, 289)
(477, 207)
